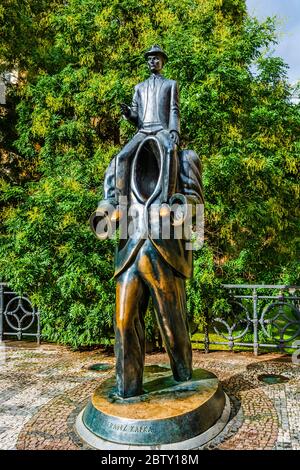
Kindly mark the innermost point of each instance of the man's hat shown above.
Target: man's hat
(156, 50)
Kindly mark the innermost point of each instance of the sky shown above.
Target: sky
(288, 14)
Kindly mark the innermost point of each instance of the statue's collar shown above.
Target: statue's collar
(156, 76)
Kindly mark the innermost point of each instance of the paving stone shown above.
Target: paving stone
(42, 390)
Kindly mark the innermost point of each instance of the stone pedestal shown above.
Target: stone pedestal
(169, 415)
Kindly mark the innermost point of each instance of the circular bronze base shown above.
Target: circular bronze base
(168, 411)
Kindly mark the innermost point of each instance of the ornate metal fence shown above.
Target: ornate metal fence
(18, 317)
(262, 316)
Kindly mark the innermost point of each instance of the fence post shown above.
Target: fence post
(255, 323)
(1, 310)
(281, 311)
(38, 327)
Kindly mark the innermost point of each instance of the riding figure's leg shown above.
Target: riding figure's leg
(170, 165)
(123, 161)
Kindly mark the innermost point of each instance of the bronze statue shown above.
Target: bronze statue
(150, 172)
(155, 111)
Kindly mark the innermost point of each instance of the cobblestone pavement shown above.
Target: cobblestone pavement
(43, 388)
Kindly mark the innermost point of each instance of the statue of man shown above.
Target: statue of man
(155, 111)
(148, 266)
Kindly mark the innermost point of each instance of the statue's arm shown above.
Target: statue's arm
(131, 112)
(109, 181)
(190, 177)
(191, 195)
(174, 119)
(134, 107)
(103, 221)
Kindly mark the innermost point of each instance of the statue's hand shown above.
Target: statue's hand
(179, 209)
(105, 219)
(125, 109)
(175, 137)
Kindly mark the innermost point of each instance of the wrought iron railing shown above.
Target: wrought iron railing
(262, 316)
(18, 317)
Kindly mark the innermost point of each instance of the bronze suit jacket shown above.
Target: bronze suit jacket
(164, 96)
(171, 250)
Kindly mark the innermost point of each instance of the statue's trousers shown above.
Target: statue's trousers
(149, 275)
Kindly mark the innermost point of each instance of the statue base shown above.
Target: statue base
(169, 415)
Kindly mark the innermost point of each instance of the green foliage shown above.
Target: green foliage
(205, 296)
(77, 61)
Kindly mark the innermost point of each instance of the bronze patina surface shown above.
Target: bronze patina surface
(151, 171)
(152, 181)
(166, 412)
